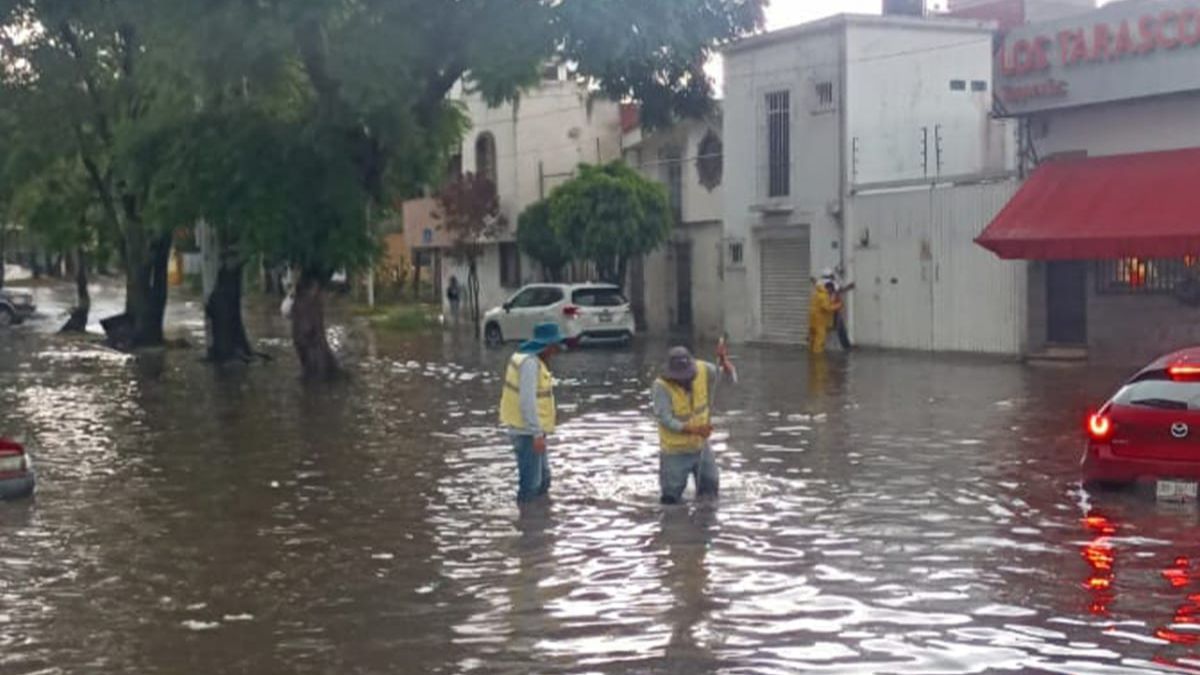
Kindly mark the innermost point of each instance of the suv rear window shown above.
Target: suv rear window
(1160, 393)
(599, 297)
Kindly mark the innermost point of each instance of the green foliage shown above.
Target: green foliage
(538, 239)
(610, 214)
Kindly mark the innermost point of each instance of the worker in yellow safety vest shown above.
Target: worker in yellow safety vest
(682, 398)
(527, 408)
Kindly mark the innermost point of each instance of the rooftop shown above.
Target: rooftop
(842, 21)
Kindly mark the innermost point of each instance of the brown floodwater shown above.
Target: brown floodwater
(880, 513)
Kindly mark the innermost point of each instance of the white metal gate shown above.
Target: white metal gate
(923, 283)
(786, 285)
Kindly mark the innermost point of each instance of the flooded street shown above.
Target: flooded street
(879, 513)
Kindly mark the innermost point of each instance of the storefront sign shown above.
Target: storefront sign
(1126, 50)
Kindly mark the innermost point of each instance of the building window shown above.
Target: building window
(779, 144)
(825, 94)
(978, 85)
(510, 265)
(737, 254)
(958, 85)
(672, 163)
(710, 161)
(485, 156)
(1144, 276)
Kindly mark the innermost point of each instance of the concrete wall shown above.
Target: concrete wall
(1132, 330)
(898, 85)
(553, 126)
(796, 64)
(1145, 125)
(661, 283)
(701, 227)
(491, 292)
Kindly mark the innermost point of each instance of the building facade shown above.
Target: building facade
(678, 289)
(814, 111)
(1109, 106)
(526, 148)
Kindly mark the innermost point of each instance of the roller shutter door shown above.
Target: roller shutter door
(786, 286)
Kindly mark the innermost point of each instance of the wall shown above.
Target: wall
(898, 83)
(702, 211)
(553, 125)
(794, 60)
(923, 283)
(1118, 128)
(1132, 330)
(662, 288)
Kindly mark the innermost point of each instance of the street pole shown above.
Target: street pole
(371, 270)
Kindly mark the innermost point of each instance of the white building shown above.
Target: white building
(814, 112)
(677, 289)
(526, 148)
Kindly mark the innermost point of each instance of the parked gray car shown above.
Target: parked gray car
(15, 307)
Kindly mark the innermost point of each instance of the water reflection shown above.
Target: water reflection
(686, 535)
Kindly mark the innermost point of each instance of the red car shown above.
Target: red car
(1150, 430)
(16, 471)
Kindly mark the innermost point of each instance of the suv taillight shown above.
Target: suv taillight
(1099, 427)
(571, 311)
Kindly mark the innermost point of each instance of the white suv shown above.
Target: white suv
(585, 312)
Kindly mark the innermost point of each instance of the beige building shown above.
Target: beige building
(677, 289)
(527, 148)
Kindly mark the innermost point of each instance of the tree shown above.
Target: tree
(87, 79)
(608, 215)
(469, 210)
(60, 209)
(538, 240)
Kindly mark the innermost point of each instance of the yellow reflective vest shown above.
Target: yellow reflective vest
(691, 407)
(510, 400)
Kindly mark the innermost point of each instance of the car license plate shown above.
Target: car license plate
(1176, 490)
(606, 318)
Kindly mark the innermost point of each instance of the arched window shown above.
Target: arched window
(485, 156)
(709, 160)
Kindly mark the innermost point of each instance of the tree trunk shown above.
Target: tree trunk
(146, 290)
(77, 323)
(317, 361)
(473, 289)
(223, 310)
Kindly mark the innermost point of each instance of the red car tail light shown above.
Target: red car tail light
(12, 459)
(1184, 372)
(571, 311)
(1099, 427)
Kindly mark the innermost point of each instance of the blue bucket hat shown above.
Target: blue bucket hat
(544, 335)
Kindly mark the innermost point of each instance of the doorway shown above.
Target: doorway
(683, 284)
(1066, 303)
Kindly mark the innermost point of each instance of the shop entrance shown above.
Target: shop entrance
(1066, 303)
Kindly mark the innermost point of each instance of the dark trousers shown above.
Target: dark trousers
(839, 326)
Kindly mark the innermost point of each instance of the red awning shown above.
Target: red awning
(1145, 205)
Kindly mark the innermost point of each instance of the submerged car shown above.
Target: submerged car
(1150, 429)
(585, 312)
(16, 471)
(15, 307)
